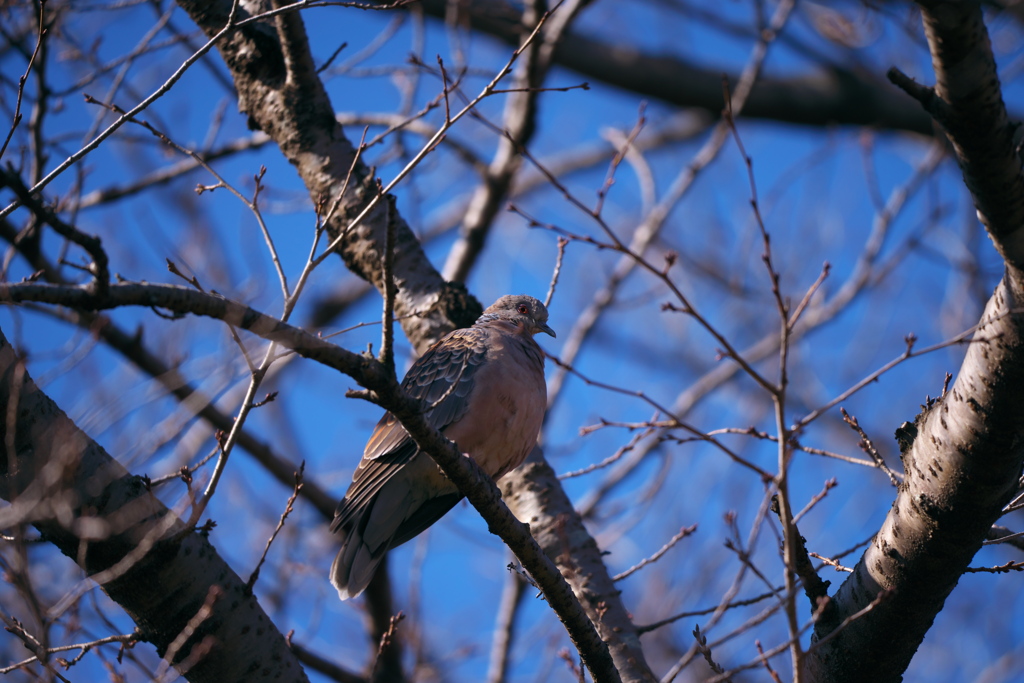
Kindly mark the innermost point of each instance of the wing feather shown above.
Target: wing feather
(442, 379)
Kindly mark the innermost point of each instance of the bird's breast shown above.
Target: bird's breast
(506, 411)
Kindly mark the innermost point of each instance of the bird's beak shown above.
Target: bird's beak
(543, 327)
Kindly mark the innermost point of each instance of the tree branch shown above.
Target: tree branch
(968, 102)
(534, 493)
(965, 462)
(472, 481)
(290, 105)
(833, 96)
(62, 482)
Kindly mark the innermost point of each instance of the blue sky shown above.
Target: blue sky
(816, 189)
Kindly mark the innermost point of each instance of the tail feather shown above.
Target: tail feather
(367, 536)
(405, 506)
(354, 565)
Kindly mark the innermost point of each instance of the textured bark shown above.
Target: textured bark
(962, 467)
(536, 497)
(968, 103)
(966, 457)
(280, 92)
(96, 513)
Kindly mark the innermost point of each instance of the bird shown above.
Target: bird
(483, 388)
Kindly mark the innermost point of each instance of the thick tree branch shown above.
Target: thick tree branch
(965, 462)
(832, 96)
(961, 469)
(465, 473)
(968, 102)
(96, 513)
(535, 495)
(288, 102)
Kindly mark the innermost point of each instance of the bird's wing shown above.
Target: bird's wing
(442, 380)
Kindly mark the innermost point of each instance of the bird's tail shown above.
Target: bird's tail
(367, 532)
(355, 564)
(368, 529)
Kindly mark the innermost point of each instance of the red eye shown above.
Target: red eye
(524, 309)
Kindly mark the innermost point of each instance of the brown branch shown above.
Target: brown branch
(868, 447)
(683, 533)
(466, 474)
(288, 507)
(833, 95)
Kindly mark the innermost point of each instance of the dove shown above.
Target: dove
(483, 388)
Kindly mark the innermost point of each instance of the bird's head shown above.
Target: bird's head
(519, 309)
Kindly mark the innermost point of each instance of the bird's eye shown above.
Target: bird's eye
(524, 309)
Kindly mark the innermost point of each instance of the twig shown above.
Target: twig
(280, 525)
(832, 563)
(41, 33)
(386, 639)
(909, 352)
(683, 533)
(826, 268)
(126, 639)
(767, 664)
(620, 154)
(868, 447)
(818, 497)
(613, 458)
(702, 647)
(562, 242)
(647, 628)
(676, 421)
(1001, 569)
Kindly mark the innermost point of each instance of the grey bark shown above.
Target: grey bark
(962, 467)
(535, 495)
(965, 460)
(83, 501)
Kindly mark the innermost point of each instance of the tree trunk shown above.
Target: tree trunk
(107, 520)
